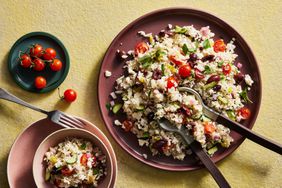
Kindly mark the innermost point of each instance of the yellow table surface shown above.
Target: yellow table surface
(87, 29)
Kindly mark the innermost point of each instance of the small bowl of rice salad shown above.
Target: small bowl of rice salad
(72, 158)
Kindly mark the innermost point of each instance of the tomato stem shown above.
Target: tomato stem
(59, 93)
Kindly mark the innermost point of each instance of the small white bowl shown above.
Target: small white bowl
(54, 139)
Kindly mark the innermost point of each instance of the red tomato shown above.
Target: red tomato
(209, 127)
(141, 48)
(184, 71)
(66, 171)
(244, 112)
(36, 50)
(56, 65)
(25, 61)
(219, 46)
(198, 74)
(70, 95)
(40, 82)
(49, 54)
(84, 158)
(127, 125)
(171, 82)
(38, 64)
(226, 69)
(176, 61)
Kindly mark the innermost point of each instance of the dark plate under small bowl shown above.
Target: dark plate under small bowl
(25, 77)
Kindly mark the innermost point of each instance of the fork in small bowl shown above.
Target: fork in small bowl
(55, 116)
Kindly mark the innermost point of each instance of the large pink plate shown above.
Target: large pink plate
(152, 23)
(19, 168)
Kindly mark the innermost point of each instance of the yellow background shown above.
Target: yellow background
(88, 27)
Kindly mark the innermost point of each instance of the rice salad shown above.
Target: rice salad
(177, 57)
(75, 163)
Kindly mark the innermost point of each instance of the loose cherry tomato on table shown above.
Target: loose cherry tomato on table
(171, 82)
(127, 125)
(208, 127)
(141, 48)
(226, 69)
(176, 61)
(219, 46)
(198, 74)
(25, 60)
(49, 54)
(38, 64)
(36, 50)
(70, 95)
(244, 112)
(66, 171)
(40, 82)
(56, 65)
(84, 159)
(184, 71)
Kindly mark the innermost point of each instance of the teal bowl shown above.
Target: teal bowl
(25, 77)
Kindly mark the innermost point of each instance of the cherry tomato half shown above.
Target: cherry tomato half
(141, 48)
(49, 54)
(184, 71)
(38, 64)
(70, 95)
(171, 82)
(208, 128)
(127, 125)
(84, 159)
(40, 82)
(219, 46)
(56, 65)
(66, 171)
(226, 69)
(25, 61)
(244, 112)
(176, 61)
(198, 74)
(36, 50)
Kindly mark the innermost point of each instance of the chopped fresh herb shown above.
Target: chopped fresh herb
(219, 64)
(145, 135)
(83, 146)
(146, 61)
(163, 69)
(222, 76)
(244, 95)
(193, 73)
(108, 106)
(206, 44)
(180, 30)
(231, 114)
(95, 171)
(207, 70)
(185, 49)
(158, 55)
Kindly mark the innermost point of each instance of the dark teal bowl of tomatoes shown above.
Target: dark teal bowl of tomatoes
(38, 62)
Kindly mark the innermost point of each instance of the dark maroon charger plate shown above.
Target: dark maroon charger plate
(152, 23)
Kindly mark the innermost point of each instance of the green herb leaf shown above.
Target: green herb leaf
(185, 49)
(108, 106)
(244, 95)
(163, 69)
(146, 61)
(207, 70)
(206, 44)
(145, 135)
(83, 146)
(180, 30)
(219, 64)
(95, 171)
(159, 55)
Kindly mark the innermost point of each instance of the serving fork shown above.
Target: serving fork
(55, 116)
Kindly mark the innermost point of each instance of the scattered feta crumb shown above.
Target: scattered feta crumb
(108, 74)
(117, 122)
(169, 26)
(248, 80)
(113, 95)
(112, 103)
(145, 156)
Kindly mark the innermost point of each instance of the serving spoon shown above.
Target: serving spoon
(215, 116)
(198, 150)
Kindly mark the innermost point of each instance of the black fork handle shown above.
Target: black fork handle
(9, 97)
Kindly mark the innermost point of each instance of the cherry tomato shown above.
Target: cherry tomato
(38, 64)
(184, 71)
(176, 61)
(244, 112)
(25, 61)
(84, 158)
(141, 48)
(171, 82)
(40, 82)
(226, 69)
(198, 74)
(49, 54)
(56, 65)
(219, 46)
(127, 125)
(66, 171)
(70, 95)
(36, 50)
(209, 127)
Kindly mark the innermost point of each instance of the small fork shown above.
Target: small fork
(55, 116)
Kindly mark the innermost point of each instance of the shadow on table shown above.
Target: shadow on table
(3, 171)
